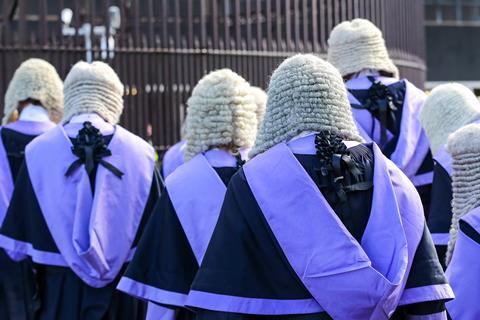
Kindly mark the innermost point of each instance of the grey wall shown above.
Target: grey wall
(453, 53)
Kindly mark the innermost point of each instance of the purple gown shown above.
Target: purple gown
(281, 250)
(17, 282)
(80, 203)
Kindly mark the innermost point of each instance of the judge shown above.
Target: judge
(385, 107)
(220, 121)
(33, 99)
(81, 199)
(463, 269)
(317, 225)
(448, 108)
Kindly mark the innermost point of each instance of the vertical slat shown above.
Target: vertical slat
(136, 22)
(22, 23)
(324, 25)
(288, 24)
(177, 26)
(238, 35)
(269, 25)
(164, 15)
(215, 24)
(259, 17)
(296, 17)
(248, 21)
(315, 18)
(190, 22)
(306, 39)
(151, 24)
(278, 18)
(43, 22)
(226, 20)
(203, 23)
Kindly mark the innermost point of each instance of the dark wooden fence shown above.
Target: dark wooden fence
(164, 47)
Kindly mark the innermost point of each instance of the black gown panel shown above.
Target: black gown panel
(62, 294)
(164, 257)
(15, 144)
(244, 258)
(18, 299)
(440, 217)
(470, 231)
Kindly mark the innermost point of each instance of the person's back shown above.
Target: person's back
(463, 270)
(317, 225)
(221, 121)
(81, 200)
(34, 97)
(448, 108)
(386, 109)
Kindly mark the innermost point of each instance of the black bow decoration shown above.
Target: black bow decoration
(381, 101)
(90, 148)
(240, 161)
(336, 164)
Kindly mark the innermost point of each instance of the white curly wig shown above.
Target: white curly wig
(260, 97)
(93, 88)
(221, 112)
(448, 108)
(464, 146)
(38, 80)
(305, 93)
(357, 45)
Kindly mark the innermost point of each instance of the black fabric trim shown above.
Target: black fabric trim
(164, 257)
(15, 143)
(419, 309)
(427, 164)
(440, 217)
(426, 268)
(65, 296)
(469, 231)
(212, 315)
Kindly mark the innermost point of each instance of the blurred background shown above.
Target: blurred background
(161, 48)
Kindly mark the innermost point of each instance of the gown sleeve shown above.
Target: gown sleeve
(427, 286)
(24, 230)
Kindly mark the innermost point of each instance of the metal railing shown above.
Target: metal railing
(163, 47)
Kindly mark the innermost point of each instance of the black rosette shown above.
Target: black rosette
(90, 148)
(336, 164)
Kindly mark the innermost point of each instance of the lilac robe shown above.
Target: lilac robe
(196, 192)
(92, 238)
(463, 272)
(369, 278)
(32, 128)
(17, 279)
